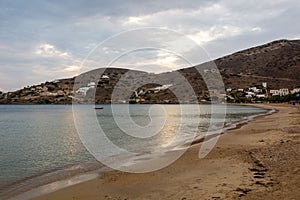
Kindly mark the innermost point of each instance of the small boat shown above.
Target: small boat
(98, 108)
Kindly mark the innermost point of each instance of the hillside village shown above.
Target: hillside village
(261, 93)
(267, 73)
(62, 92)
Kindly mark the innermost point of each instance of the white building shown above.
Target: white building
(261, 96)
(264, 84)
(252, 89)
(163, 87)
(255, 89)
(91, 84)
(82, 90)
(295, 90)
(280, 92)
(251, 93)
(105, 77)
(274, 92)
(284, 92)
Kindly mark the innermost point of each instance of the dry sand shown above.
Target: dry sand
(257, 161)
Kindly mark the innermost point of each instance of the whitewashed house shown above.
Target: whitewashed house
(255, 89)
(264, 84)
(274, 92)
(295, 90)
(284, 92)
(105, 77)
(163, 87)
(91, 84)
(261, 96)
(251, 93)
(82, 90)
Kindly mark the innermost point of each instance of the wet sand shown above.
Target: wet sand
(260, 160)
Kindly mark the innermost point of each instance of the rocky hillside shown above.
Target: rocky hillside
(277, 63)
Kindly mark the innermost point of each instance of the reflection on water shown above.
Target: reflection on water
(160, 128)
(35, 139)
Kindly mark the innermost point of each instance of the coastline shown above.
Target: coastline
(114, 185)
(55, 179)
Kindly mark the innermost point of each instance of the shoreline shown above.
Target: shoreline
(195, 144)
(83, 171)
(54, 178)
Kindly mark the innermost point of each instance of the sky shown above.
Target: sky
(44, 40)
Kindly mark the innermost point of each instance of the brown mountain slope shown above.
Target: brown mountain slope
(277, 63)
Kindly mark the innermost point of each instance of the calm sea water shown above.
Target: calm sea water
(38, 139)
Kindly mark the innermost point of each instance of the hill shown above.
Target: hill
(277, 63)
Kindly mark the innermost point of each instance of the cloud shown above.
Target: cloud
(214, 33)
(256, 29)
(133, 21)
(72, 68)
(50, 50)
(55, 37)
(150, 60)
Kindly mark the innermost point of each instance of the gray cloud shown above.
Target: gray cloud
(75, 27)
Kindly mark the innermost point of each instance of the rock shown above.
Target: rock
(259, 176)
(258, 163)
(258, 170)
(244, 190)
(260, 183)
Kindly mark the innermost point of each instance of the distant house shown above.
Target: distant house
(255, 89)
(39, 88)
(105, 77)
(163, 87)
(284, 92)
(261, 96)
(91, 84)
(240, 90)
(274, 92)
(251, 93)
(264, 84)
(295, 90)
(228, 89)
(280, 92)
(82, 90)
(141, 92)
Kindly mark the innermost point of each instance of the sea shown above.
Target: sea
(42, 144)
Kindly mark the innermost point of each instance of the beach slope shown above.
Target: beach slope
(259, 160)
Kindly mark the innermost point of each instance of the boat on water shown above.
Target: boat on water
(98, 108)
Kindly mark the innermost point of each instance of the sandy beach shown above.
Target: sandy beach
(259, 160)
